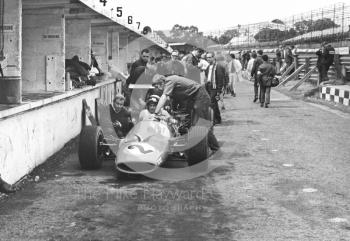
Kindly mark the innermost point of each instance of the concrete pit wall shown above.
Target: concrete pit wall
(78, 39)
(29, 138)
(43, 50)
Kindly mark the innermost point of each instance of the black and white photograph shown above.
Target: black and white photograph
(130, 120)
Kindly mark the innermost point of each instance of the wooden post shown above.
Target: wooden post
(292, 76)
(303, 79)
(284, 75)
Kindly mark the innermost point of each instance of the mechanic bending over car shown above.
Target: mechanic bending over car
(149, 112)
(188, 92)
(120, 116)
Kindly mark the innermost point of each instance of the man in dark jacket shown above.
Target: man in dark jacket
(324, 61)
(216, 76)
(193, 71)
(257, 62)
(289, 58)
(266, 72)
(142, 61)
(120, 117)
(279, 59)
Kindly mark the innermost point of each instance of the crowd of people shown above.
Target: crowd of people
(199, 80)
(184, 74)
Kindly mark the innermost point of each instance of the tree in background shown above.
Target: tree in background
(228, 35)
(277, 21)
(300, 27)
(188, 34)
(306, 26)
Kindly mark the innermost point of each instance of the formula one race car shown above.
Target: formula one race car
(147, 146)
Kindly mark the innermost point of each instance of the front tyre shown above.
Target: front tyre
(91, 153)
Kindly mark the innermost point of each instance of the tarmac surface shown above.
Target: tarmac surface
(282, 174)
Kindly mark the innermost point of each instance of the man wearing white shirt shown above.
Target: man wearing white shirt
(234, 69)
(216, 75)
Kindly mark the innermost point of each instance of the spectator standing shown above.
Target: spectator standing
(294, 50)
(216, 76)
(324, 61)
(203, 65)
(192, 69)
(142, 61)
(161, 67)
(266, 73)
(279, 60)
(251, 62)
(246, 58)
(257, 62)
(234, 70)
(289, 58)
(174, 66)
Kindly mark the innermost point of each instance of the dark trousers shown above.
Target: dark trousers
(323, 73)
(265, 94)
(214, 105)
(202, 105)
(256, 88)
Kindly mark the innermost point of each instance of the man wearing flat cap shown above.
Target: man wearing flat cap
(174, 66)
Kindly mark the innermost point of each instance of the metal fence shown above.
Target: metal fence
(331, 23)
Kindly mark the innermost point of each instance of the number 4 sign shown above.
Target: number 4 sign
(104, 2)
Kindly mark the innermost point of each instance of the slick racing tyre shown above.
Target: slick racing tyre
(91, 153)
(200, 151)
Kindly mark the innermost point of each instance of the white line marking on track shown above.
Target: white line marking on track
(309, 190)
(338, 220)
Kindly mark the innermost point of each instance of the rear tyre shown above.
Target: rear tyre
(91, 153)
(199, 153)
